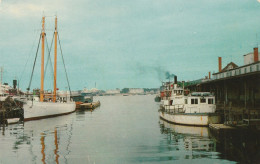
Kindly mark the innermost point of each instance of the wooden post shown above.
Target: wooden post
(248, 111)
(230, 105)
(225, 117)
(226, 92)
(3, 121)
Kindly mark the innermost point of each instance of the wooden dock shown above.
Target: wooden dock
(244, 128)
(221, 127)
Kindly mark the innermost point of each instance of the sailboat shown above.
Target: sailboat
(47, 105)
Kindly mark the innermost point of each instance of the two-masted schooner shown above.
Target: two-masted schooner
(47, 105)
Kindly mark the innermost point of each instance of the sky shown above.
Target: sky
(111, 44)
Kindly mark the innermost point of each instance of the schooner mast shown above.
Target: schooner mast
(42, 60)
(55, 61)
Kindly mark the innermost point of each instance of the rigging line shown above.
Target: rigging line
(64, 63)
(34, 63)
(49, 56)
(30, 53)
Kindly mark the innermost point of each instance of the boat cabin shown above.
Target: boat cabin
(200, 102)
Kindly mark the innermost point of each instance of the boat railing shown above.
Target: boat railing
(174, 109)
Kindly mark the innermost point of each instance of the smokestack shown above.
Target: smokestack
(175, 79)
(209, 75)
(14, 83)
(219, 64)
(255, 54)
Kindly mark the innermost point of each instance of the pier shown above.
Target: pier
(237, 90)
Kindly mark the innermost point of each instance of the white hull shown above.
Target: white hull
(39, 110)
(197, 119)
(13, 120)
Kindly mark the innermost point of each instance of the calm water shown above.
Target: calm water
(125, 129)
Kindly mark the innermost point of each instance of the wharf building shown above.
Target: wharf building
(113, 92)
(136, 91)
(237, 90)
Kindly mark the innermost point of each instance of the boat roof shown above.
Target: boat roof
(201, 94)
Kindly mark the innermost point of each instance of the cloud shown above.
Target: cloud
(24, 10)
(21, 10)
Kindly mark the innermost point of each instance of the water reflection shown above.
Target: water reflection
(124, 132)
(241, 145)
(43, 147)
(56, 146)
(195, 142)
(43, 140)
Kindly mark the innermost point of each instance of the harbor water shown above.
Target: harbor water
(124, 129)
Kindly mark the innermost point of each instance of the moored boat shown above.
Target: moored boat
(92, 105)
(47, 104)
(197, 108)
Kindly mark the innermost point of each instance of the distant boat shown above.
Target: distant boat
(82, 98)
(157, 98)
(197, 108)
(46, 104)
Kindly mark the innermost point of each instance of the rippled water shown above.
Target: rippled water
(124, 129)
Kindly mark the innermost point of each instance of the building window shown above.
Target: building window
(202, 100)
(251, 68)
(210, 101)
(186, 101)
(257, 67)
(245, 70)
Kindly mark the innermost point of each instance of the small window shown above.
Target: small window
(186, 101)
(192, 101)
(196, 101)
(257, 67)
(202, 100)
(210, 101)
(245, 70)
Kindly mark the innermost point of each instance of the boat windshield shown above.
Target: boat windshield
(178, 92)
